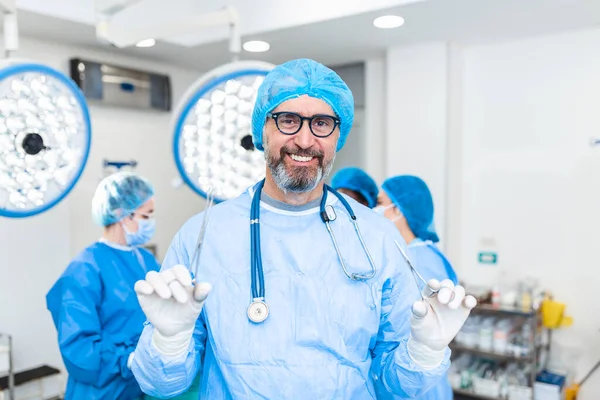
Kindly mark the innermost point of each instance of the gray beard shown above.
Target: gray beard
(299, 183)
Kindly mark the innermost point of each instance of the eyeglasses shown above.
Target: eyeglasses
(290, 123)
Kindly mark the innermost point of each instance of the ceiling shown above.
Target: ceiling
(255, 16)
(345, 38)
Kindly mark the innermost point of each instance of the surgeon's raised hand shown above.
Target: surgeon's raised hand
(172, 303)
(436, 320)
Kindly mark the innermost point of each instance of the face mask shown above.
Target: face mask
(146, 229)
(382, 209)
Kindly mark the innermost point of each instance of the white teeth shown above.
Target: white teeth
(300, 158)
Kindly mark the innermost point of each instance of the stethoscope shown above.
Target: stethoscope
(258, 311)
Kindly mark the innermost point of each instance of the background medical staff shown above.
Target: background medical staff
(357, 184)
(93, 305)
(407, 202)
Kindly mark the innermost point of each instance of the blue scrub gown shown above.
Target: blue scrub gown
(99, 320)
(324, 333)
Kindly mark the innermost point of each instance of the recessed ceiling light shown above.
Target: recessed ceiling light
(256, 46)
(146, 43)
(388, 21)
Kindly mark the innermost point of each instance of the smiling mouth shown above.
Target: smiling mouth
(302, 159)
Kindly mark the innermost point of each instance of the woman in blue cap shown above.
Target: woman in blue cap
(407, 202)
(93, 304)
(357, 184)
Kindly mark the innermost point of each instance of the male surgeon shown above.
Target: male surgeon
(273, 313)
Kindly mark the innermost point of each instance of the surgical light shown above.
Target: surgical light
(212, 143)
(45, 138)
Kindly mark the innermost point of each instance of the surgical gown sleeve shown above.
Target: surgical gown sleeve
(89, 355)
(392, 364)
(164, 376)
(431, 263)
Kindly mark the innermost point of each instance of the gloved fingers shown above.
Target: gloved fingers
(469, 302)
(179, 292)
(157, 280)
(143, 287)
(201, 291)
(419, 309)
(167, 276)
(179, 280)
(434, 284)
(459, 296)
(446, 292)
(431, 289)
(182, 274)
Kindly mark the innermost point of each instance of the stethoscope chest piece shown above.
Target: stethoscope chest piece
(330, 212)
(258, 311)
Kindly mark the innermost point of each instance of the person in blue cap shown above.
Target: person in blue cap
(95, 310)
(357, 184)
(286, 301)
(407, 202)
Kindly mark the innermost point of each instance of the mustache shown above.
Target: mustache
(295, 150)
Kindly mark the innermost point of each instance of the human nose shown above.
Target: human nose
(304, 138)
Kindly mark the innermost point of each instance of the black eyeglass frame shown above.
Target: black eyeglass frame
(275, 116)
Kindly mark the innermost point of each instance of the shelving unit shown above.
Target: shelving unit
(532, 318)
(491, 354)
(6, 354)
(38, 382)
(470, 395)
(488, 308)
(42, 382)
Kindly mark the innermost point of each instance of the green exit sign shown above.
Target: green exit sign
(487, 257)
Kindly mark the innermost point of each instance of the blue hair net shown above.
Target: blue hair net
(118, 196)
(413, 198)
(356, 179)
(302, 77)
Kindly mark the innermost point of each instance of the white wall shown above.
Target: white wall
(531, 182)
(353, 152)
(416, 117)
(34, 251)
(375, 118)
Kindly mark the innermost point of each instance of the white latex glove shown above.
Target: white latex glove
(172, 304)
(436, 321)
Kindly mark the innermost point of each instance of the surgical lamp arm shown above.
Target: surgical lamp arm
(11, 27)
(124, 36)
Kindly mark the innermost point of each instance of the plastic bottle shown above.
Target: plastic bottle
(525, 340)
(495, 297)
(486, 334)
(501, 332)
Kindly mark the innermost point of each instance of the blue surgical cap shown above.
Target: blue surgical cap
(118, 196)
(413, 198)
(302, 77)
(356, 179)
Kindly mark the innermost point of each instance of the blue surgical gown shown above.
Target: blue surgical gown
(324, 331)
(99, 320)
(431, 264)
